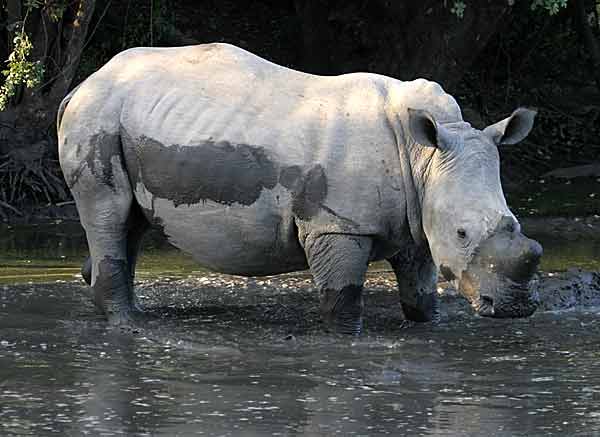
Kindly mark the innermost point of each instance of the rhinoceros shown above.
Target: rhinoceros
(257, 169)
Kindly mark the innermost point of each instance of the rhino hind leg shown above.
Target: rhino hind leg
(94, 170)
(416, 275)
(114, 287)
(338, 264)
(137, 227)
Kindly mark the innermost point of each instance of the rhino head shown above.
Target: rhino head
(474, 238)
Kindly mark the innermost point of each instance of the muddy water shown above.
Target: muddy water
(217, 370)
(222, 356)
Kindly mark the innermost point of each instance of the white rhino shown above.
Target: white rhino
(257, 169)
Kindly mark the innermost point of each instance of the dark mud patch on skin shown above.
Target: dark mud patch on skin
(219, 171)
(98, 159)
(112, 290)
(341, 310)
(222, 172)
(308, 191)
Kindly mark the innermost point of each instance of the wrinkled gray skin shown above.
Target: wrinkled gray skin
(256, 169)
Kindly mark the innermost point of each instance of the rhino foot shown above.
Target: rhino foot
(341, 310)
(347, 324)
(127, 319)
(338, 263)
(426, 308)
(113, 293)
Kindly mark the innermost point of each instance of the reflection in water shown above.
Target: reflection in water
(56, 251)
(64, 372)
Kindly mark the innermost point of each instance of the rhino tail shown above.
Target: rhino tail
(63, 106)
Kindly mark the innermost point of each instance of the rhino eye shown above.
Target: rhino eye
(461, 233)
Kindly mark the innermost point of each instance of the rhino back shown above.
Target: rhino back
(224, 125)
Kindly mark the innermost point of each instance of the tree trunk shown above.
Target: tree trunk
(76, 34)
(30, 119)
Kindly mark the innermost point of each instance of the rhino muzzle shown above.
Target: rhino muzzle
(498, 279)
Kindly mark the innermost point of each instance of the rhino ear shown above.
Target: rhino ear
(425, 130)
(423, 127)
(513, 129)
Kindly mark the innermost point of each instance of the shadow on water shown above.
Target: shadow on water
(254, 361)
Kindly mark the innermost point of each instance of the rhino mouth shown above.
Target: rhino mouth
(523, 305)
(499, 278)
(494, 295)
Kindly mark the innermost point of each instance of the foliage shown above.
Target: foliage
(458, 8)
(20, 71)
(56, 9)
(29, 4)
(551, 6)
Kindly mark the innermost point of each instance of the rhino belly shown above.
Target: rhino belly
(250, 240)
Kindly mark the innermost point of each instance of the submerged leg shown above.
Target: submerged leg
(417, 281)
(137, 227)
(338, 264)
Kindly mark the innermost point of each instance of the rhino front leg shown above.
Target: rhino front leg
(417, 283)
(338, 263)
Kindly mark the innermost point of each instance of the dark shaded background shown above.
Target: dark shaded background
(493, 59)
